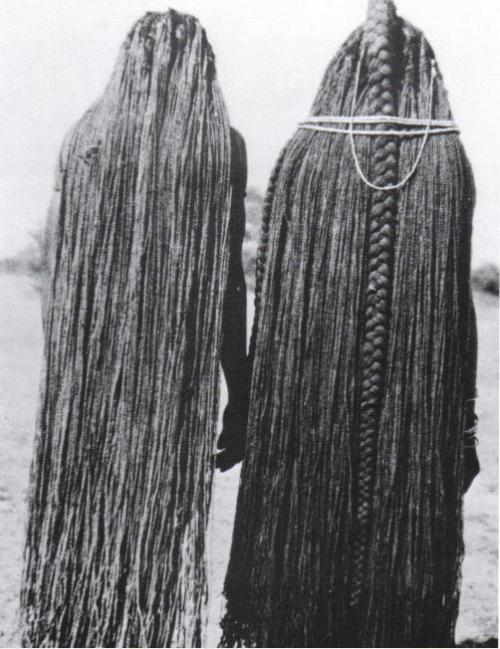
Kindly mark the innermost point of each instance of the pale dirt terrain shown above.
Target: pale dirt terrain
(20, 358)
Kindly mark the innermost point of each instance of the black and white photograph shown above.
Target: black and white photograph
(249, 347)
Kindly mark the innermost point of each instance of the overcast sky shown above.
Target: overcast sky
(56, 56)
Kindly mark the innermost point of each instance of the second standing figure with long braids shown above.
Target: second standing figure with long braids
(348, 528)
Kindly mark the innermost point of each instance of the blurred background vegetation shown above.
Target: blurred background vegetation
(32, 260)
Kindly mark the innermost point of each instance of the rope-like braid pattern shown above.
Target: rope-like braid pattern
(261, 257)
(382, 226)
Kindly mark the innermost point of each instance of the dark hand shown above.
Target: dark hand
(231, 442)
(471, 466)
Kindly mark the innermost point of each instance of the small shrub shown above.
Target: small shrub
(31, 260)
(485, 278)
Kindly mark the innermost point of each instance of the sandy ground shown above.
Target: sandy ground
(20, 357)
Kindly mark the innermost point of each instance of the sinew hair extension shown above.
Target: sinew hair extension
(122, 472)
(348, 527)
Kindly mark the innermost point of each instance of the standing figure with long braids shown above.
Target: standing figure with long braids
(360, 434)
(145, 233)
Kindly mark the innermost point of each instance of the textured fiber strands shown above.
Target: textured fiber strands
(348, 528)
(121, 478)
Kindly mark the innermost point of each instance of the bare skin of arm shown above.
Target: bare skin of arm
(231, 443)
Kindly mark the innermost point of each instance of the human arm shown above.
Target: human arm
(231, 443)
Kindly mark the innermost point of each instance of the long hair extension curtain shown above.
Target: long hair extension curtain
(348, 527)
(122, 472)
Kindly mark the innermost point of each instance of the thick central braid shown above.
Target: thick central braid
(382, 226)
(261, 256)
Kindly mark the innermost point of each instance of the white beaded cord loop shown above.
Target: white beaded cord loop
(401, 183)
(377, 119)
(392, 133)
(326, 124)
